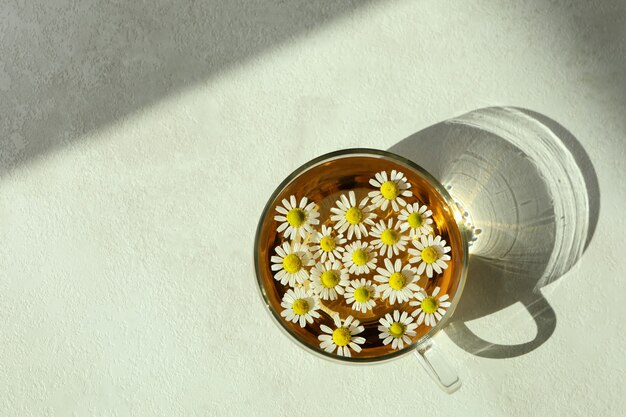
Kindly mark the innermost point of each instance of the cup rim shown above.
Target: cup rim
(438, 187)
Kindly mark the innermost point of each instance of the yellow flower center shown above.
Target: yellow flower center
(397, 280)
(300, 306)
(430, 305)
(292, 263)
(389, 237)
(415, 220)
(296, 217)
(327, 243)
(329, 279)
(396, 329)
(362, 295)
(359, 257)
(389, 190)
(354, 215)
(342, 336)
(430, 255)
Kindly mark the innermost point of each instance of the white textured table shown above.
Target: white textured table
(139, 144)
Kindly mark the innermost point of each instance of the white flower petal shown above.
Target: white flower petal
(355, 347)
(330, 348)
(420, 318)
(326, 329)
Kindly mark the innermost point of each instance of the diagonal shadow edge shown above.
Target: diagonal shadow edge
(91, 63)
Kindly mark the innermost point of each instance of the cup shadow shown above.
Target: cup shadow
(531, 199)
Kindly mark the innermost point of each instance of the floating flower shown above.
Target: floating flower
(296, 219)
(417, 219)
(360, 294)
(359, 258)
(397, 282)
(291, 263)
(390, 190)
(430, 309)
(348, 216)
(327, 245)
(329, 279)
(388, 238)
(397, 330)
(342, 337)
(430, 254)
(300, 306)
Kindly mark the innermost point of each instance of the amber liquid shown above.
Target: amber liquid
(323, 184)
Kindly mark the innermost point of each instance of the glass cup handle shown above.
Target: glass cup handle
(437, 367)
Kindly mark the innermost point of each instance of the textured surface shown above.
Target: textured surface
(139, 144)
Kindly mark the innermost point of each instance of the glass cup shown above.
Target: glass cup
(323, 180)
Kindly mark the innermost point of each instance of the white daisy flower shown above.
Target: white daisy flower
(431, 254)
(390, 189)
(291, 263)
(343, 337)
(397, 329)
(351, 217)
(329, 279)
(430, 309)
(417, 219)
(359, 257)
(300, 306)
(361, 293)
(327, 245)
(388, 238)
(296, 219)
(397, 282)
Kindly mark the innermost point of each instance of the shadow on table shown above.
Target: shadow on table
(532, 197)
(67, 68)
